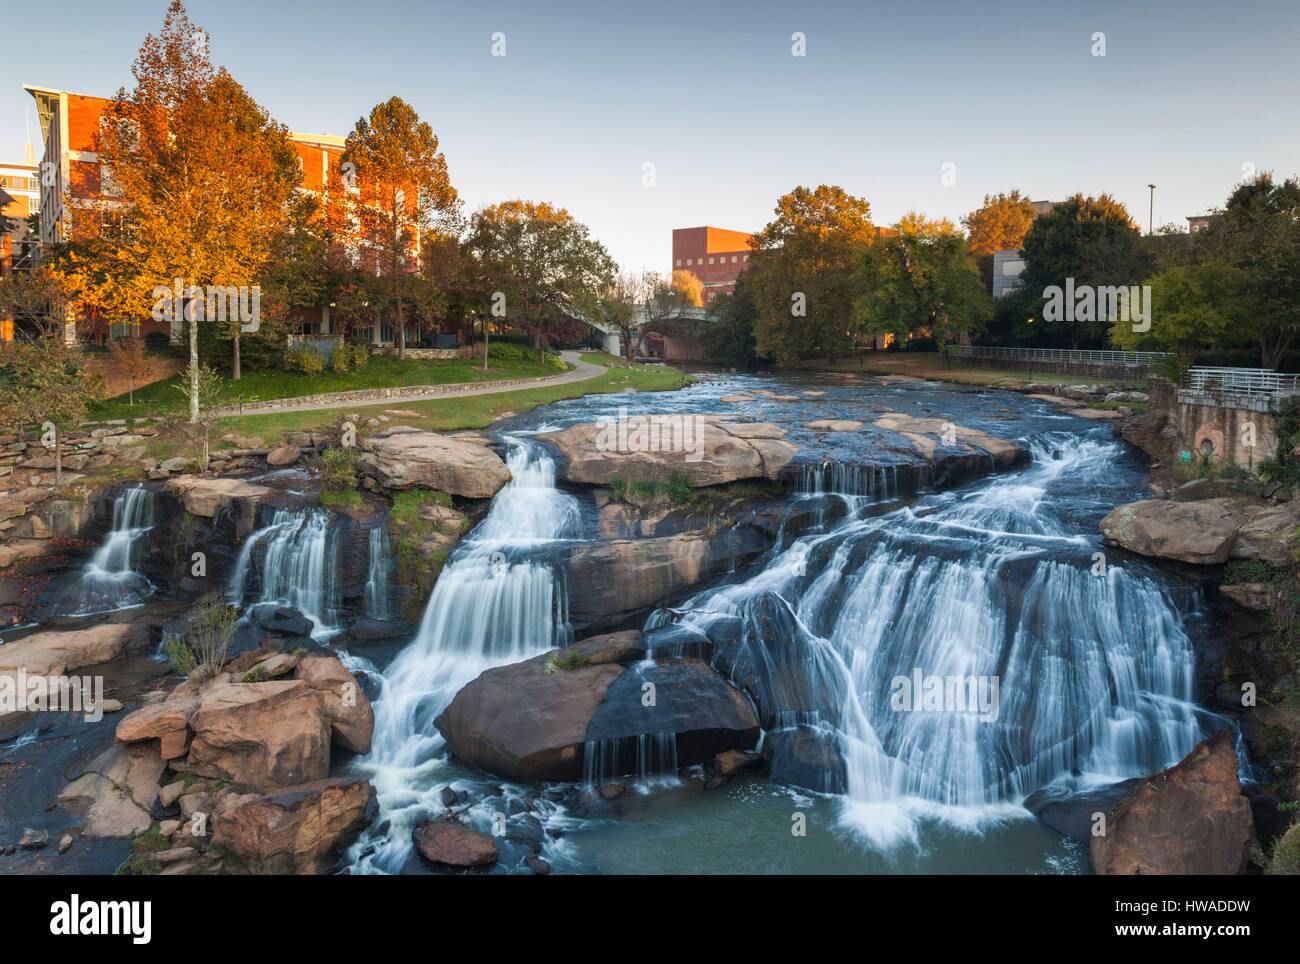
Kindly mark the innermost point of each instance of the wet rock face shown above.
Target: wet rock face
(706, 451)
(524, 723)
(451, 846)
(804, 756)
(1189, 819)
(405, 458)
(1196, 532)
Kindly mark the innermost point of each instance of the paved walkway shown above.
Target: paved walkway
(583, 371)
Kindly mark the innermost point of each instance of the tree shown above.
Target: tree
(38, 297)
(200, 175)
(1193, 307)
(403, 185)
(206, 391)
(45, 382)
(619, 303)
(728, 338)
(541, 270)
(801, 272)
(131, 359)
(1000, 223)
(686, 287)
(1258, 231)
(1089, 241)
(921, 278)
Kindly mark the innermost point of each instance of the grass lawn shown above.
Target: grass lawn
(930, 365)
(383, 372)
(474, 411)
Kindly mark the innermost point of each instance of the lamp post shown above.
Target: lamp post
(1151, 211)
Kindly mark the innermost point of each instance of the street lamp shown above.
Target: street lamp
(1151, 211)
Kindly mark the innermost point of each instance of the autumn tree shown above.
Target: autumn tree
(1000, 223)
(801, 272)
(45, 383)
(403, 186)
(541, 270)
(921, 278)
(199, 176)
(131, 360)
(619, 305)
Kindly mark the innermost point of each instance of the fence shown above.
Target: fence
(1061, 356)
(1242, 381)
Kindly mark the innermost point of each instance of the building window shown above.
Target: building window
(688, 262)
(710, 261)
(733, 259)
(679, 262)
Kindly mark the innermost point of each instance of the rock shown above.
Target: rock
(522, 723)
(119, 789)
(1271, 535)
(707, 452)
(1128, 397)
(1199, 489)
(13, 552)
(174, 465)
(1098, 414)
(537, 865)
(297, 830)
(1286, 855)
(169, 794)
(110, 706)
(169, 827)
(281, 620)
(174, 854)
(1196, 532)
(65, 842)
(34, 839)
(168, 722)
(284, 455)
(352, 719)
(55, 652)
(1189, 819)
(405, 458)
(805, 756)
(261, 735)
(446, 843)
(925, 432)
(1258, 597)
(834, 425)
(621, 647)
(1142, 429)
(204, 496)
(612, 791)
(730, 762)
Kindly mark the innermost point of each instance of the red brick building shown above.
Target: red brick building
(714, 255)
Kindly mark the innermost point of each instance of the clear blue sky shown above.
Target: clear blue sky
(708, 92)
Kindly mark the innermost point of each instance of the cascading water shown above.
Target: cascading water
(109, 580)
(377, 602)
(500, 599)
(1088, 666)
(293, 560)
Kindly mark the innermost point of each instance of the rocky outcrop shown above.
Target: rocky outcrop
(706, 451)
(1189, 819)
(116, 791)
(405, 458)
(534, 720)
(204, 496)
(1196, 532)
(927, 433)
(261, 735)
(452, 846)
(610, 581)
(297, 830)
(351, 717)
(1145, 430)
(1207, 531)
(54, 652)
(168, 722)
(1260, 597)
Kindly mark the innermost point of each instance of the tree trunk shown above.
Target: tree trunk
(58, 458)
(194, 369)
(485, 343)
(401, 331)
(234, 368)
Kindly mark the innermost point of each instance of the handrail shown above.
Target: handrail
(1130, 359)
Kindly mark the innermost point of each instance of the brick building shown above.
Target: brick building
(716, 256)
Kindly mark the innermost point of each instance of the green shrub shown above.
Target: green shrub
(679, 488)
(360, 356)
(341, 359)
(1251, 570)
(338, 469)
(304, 361)
(564, 660)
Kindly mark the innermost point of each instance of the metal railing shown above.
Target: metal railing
(1127, 359)
(1241, 381)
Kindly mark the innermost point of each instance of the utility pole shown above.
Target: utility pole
(1151, 211)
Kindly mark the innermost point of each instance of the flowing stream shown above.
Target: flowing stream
(290, 562)
(500, 599)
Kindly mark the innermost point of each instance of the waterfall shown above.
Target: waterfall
(500, 599)
(377, 603)
(109, 580)
(994, 589)
(296, 569)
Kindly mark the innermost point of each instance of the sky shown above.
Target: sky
(1188, 96)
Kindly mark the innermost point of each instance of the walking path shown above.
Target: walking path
(583, 370)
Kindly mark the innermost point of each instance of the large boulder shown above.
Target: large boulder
(167, 722)
(452, 846)
(203, 496)
(1197, 532)
(1189, 819)
(54, 652)
(613, 580)
(927, 433)
(117, 791)
(706, 451)
(405, 458)
(534, 720)
(1271, 535)
(297, 830)
(351, 717)
(261, 735)
(1143, 429)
